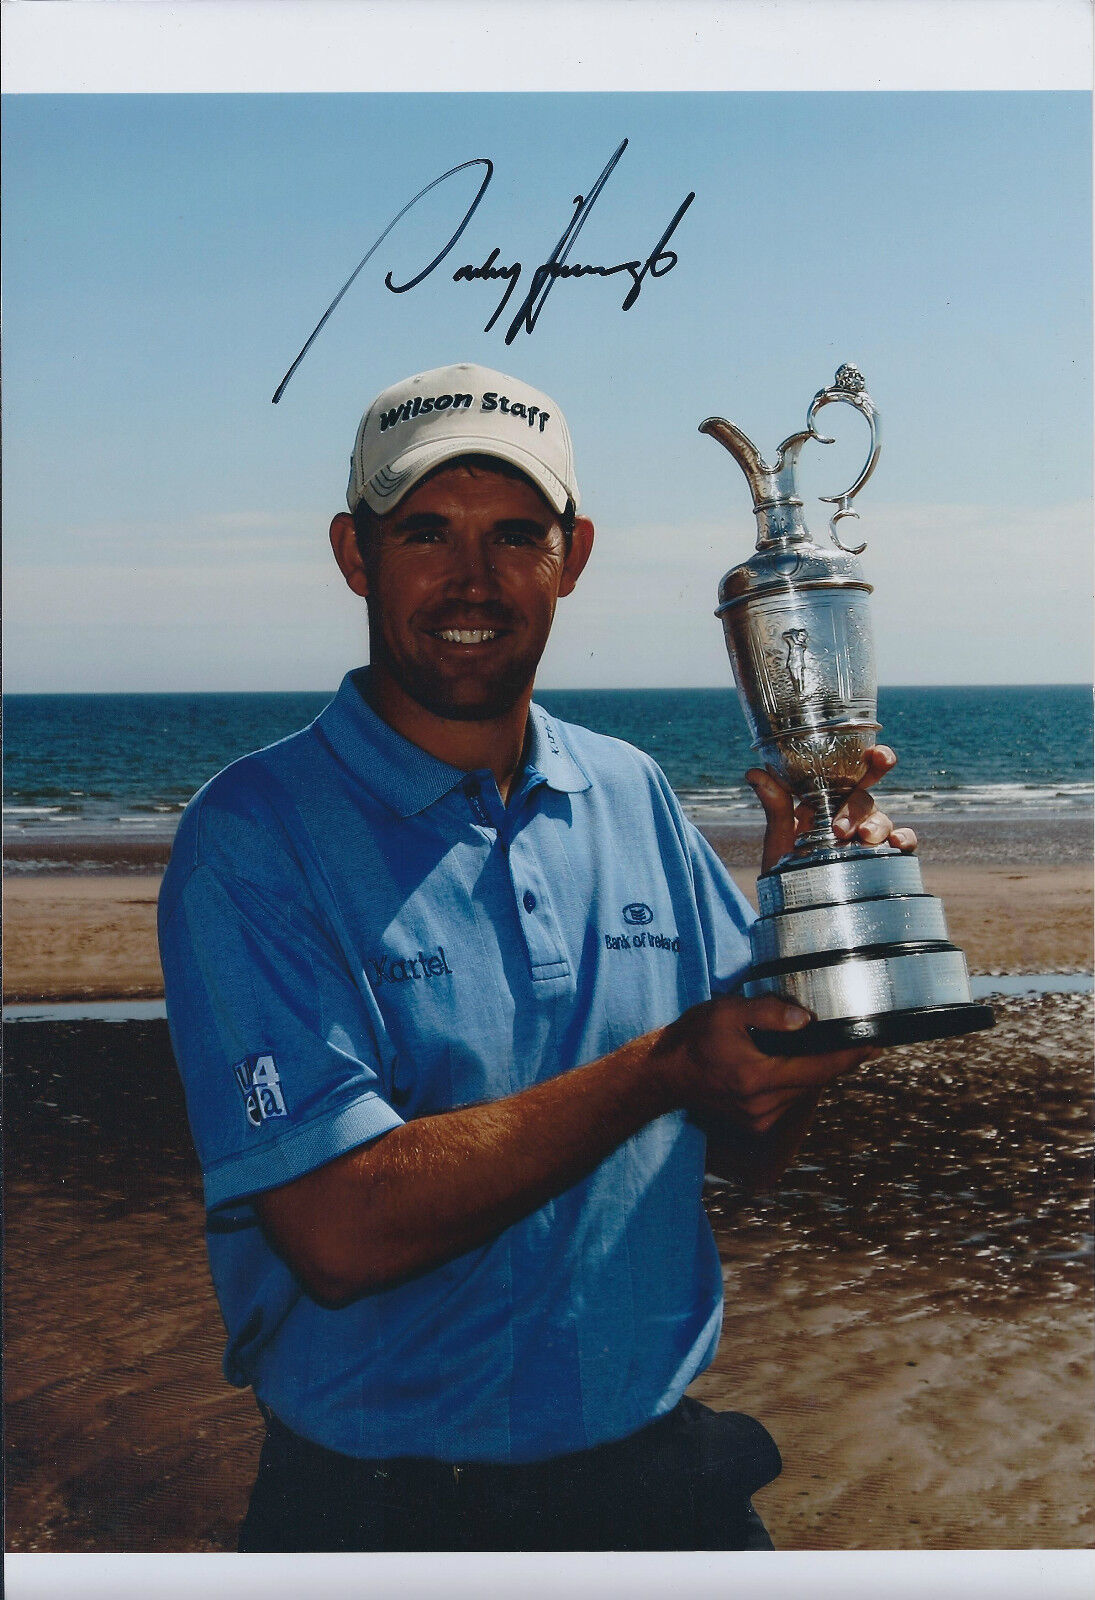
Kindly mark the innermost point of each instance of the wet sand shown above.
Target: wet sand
(910, 1313)
(926, 1349)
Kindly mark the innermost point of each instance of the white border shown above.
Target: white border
(818, 1575)
(320, 46)
(323, 46)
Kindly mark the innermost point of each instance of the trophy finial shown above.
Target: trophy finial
(850, 378)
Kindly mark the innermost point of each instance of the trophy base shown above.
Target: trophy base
(892, 1027)
(849, 934)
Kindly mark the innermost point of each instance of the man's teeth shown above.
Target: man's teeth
(466, 635)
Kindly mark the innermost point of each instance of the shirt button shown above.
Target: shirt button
(529, 900)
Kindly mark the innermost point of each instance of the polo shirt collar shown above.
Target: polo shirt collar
(548, 755)
(409, 779)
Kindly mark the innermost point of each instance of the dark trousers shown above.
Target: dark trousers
(683, 1483)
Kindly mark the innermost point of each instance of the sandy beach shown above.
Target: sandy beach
(1016, 901)
(910, 1314)
(94, 938)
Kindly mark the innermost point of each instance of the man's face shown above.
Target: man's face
(462, 581)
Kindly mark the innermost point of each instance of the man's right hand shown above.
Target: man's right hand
(710, 1064)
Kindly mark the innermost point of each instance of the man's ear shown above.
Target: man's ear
(581, 543)
(347, 554)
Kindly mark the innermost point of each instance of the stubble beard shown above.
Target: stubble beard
(442, 696)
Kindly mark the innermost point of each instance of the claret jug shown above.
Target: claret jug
(845, 930)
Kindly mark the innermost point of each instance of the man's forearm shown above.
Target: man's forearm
(440, 1185)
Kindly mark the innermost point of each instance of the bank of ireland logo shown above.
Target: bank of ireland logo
(638, 914)
(260, 1086)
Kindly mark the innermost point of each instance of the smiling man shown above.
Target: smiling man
(450, 985)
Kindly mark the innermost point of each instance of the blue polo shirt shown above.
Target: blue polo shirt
(353, 934)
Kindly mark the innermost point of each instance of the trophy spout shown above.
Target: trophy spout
(743, 450)
(776, 502)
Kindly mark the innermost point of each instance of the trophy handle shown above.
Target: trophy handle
(850, 386)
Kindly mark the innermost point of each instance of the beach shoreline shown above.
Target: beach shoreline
(985, 837)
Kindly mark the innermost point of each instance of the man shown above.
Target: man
(439, 972)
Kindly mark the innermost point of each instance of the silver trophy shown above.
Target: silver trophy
(845, 930)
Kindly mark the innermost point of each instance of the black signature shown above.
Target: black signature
(544, 277)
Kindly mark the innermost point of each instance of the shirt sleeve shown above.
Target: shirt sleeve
(281, 1060)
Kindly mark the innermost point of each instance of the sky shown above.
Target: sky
(165, 256)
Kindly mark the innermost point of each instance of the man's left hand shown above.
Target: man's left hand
(858, 818)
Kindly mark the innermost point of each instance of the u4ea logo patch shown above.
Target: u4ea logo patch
(260, 1086)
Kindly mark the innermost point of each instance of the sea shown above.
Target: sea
(121, 767)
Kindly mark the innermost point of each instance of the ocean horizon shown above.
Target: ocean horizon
(121, 767)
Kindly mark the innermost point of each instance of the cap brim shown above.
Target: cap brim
(387, 488)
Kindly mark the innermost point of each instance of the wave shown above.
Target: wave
(736, 804)
(707, 805)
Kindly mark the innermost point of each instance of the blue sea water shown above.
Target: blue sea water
(124, 766)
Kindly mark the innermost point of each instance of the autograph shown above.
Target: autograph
(543, 278)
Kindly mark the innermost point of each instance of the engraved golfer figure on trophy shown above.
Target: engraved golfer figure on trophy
(845, 930)
(797, 639)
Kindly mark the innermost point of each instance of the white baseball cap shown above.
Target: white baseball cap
(459, 411)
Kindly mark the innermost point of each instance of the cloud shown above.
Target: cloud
(158, 542)
(963, 594)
